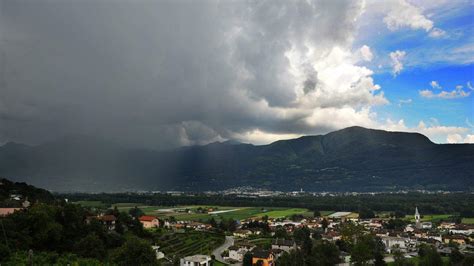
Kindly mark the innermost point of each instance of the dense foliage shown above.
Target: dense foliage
(61, 232)
(33, 194)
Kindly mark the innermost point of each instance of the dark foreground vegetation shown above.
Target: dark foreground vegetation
(51, 231)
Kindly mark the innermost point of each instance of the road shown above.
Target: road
(229, 241)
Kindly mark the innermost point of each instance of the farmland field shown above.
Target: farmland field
(219, 212)
(189, 243)
(429, 217)
(468, 220)
(91, 204)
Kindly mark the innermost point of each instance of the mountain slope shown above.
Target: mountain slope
(352, 159)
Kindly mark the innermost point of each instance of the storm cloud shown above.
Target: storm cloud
(161, 74)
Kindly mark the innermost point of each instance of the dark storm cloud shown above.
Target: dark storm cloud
(163, 73)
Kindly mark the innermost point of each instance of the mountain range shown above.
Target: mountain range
(351, 159)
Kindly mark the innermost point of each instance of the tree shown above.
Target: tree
(456, 257)
(468, 261)
(324, 253)
(395, 224)
(280, 232)
(429, 256)
(135, 212)
(399, 259)
(365, 213)
(213, 222)
(134, 251)
(317, 214)
(90, 246)
(379, 253)
(324, 223)
(293, 258)
(350, 232)
(400, 214)
(363, 250)
(302, 236)
(247, 260)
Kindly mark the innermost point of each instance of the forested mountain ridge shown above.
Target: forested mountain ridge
(351, 159)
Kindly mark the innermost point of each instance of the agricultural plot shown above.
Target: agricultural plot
(190, 213)
(189, 243)
(468, 220)
(429, 217)
(91, 204)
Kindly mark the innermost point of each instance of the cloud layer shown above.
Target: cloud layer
(164, 74)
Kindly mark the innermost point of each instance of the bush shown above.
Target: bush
(135, 251)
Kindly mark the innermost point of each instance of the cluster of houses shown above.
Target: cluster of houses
(444, 236)
(407, 240)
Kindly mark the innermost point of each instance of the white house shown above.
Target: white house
(196, 260)
(237, 252)
(283, 244)
(393, 242)
(159, 254)
(462, 229)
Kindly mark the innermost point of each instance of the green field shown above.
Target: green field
(189, 243)
(468, 220)
(429, 217)
(237, 213)
(416, 261)
(91, 204)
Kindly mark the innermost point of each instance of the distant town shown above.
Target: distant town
(249, 192)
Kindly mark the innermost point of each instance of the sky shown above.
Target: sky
(163, 74)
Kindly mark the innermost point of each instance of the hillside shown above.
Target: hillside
(352, 159)
(13, 194)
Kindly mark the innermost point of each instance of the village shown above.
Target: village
(263, 240)
(213, 239)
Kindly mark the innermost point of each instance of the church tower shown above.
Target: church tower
(417, 217)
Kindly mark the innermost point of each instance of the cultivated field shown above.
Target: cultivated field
(189, 243)
(218, 212)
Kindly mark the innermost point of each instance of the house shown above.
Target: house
(463, 229)
(7, 211)
(243, 233)
(149, 221)
(426, 225)
(331, 235)
(107, 220)
(195, 260)
(459, 239)
(237, 253)
(392, 243)
(26, 203)
(447, 225)
(263, 258)
(283, 244)
(159, 255)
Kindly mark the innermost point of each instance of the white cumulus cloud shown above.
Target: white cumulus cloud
(435, 85)
(397, 64)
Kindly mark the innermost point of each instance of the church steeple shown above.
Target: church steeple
(417, 217)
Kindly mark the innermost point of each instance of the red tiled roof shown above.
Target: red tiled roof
(147, 218)
(7, 211)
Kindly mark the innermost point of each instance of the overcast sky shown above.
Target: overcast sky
(162, 74)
